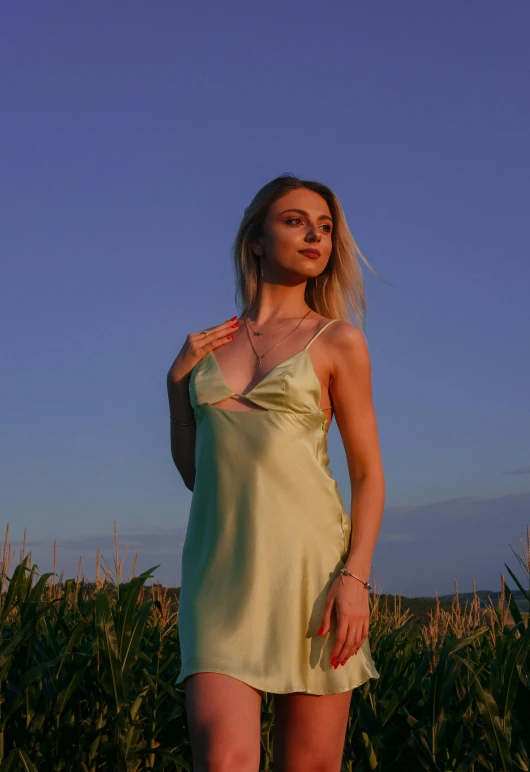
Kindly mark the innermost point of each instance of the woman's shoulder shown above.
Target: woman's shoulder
(345, 336)
(340, 339)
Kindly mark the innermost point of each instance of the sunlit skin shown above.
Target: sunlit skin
(299, 220)
(224, 712)
(281, 304)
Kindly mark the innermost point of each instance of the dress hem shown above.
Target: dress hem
(255, 685)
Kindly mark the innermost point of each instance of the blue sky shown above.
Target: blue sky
(133, 136)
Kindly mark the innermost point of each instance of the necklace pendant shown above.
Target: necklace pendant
(257, 333)
(258, 362)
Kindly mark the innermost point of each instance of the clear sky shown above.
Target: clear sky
(134, 134)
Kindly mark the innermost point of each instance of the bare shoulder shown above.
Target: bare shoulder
(345, 334)
(347, 346)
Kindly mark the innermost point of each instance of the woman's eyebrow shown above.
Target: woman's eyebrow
(302, 211)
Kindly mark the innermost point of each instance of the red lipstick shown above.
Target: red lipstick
(310, 252)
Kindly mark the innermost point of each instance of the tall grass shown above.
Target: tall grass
(87, 671)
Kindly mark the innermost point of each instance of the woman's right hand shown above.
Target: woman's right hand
(197, 345)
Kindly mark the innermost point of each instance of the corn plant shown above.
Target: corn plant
(87, 672)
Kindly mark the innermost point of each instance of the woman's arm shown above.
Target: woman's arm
(195, 347)
(182, 437)
(351, 391)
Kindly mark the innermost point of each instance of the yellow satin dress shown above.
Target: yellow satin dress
(267, 535)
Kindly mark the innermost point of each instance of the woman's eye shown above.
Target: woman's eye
(326, 225)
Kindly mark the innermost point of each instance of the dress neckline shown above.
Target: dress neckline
(285, 361)
(305, 350)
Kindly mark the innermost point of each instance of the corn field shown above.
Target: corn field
(87, 672)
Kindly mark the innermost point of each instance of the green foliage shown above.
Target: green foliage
(87, 674)
(85, 680)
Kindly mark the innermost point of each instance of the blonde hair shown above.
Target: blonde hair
(339, 287)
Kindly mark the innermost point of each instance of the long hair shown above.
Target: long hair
(339, 287)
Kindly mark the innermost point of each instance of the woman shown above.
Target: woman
(274, 588)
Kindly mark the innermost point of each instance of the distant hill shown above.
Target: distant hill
(421, 606)
(483, 595)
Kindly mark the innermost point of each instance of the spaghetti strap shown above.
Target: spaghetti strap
(315, 336)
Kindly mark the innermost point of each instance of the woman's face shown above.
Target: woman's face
(297, 221)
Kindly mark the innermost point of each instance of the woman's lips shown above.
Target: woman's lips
(314, 253)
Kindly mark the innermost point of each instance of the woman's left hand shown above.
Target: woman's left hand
(352, 609)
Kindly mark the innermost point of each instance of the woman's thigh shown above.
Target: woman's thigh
(224, 721)
(310, 731)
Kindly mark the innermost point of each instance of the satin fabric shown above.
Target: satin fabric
(267, 535)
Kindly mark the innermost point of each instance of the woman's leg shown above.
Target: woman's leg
(224, 720)
(310, 731)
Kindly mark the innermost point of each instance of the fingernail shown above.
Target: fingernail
(236, 324)
(336, 665)
(343, 661)
(229, 337)
(333, 660)
(321, 630)
(234, 317)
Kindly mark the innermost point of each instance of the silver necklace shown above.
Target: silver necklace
(259, 357)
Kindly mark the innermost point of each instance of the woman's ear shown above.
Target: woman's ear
(257, 246)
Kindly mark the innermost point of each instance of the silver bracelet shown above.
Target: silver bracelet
(344, 571)
(180, 423)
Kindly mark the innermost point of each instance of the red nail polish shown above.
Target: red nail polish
(333, 660)
(229, 337)
(321, 630)
(236, 324)
(232, 319)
